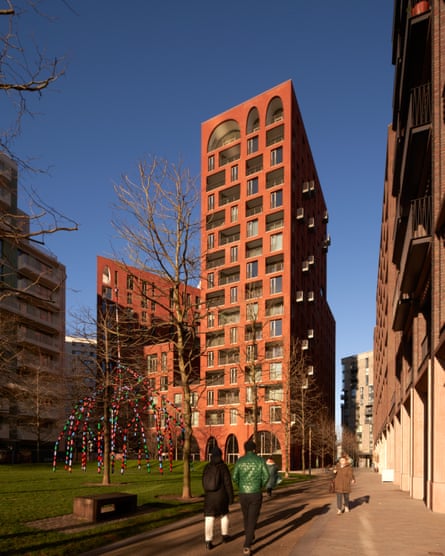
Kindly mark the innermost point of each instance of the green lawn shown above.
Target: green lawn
(33, 492)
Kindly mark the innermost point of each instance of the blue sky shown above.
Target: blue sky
(143, 75)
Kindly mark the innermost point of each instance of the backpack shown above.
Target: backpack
(211, 478)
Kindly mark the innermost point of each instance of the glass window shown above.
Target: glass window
(210, 359)
(275, 414)
(211, 202)
(252, 145)
(234, 214)
(234, 172)
(234, 294)
(152, 363)
(233, 375)
(195, 418)
(275, 370)
(211, 163)
(276, 199)
(164, 361)
(252, 228)
(276, 242)
(276, 327)
(210, 320)
(252, 269)
(233, 335)
(211, 280)
(251, 352)
(164, 383)
(129, 298)
(252, 311)
(276, 284)
(233, 416)
(178, 399)
(234, 254)
(210, 397)
(276, 156)
(252, 186)
(211, 241)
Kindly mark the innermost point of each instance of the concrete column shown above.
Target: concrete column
(437, 487)
(418, 439)
(405, 448)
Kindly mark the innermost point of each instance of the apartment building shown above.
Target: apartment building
(80, 368)
(357, 407)
(409, 338)
(134, 307)
(264, 247)
(32, 333)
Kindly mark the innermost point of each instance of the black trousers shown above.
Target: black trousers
(251, 507)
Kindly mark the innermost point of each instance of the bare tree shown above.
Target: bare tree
(115, 376)
(324, 438)
(303, 403)
(25, 69)
(349, 444)
(157, 217)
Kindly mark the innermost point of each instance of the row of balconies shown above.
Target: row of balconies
(412, 154)
(413, 258)
(229, 133)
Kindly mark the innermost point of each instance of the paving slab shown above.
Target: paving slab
(302, 519)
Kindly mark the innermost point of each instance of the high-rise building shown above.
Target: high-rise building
(264, 250)
(356, 408)
(80, 368)
(32, 332)
(409, 338)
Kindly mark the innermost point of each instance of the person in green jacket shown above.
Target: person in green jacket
(251, 476)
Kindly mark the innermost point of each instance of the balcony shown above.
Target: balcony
(414, 150)
(228, 356)
(229, 235)
(226, 397)
(214, 260)
(215, 180)
(214, 220)
(37, 339)
(440, 351)
(415, 249)
(275, 135)
(39, 271)
(5, 196)
(229, 155)
(254, 206)
(229, 195)
(229, 276)
(412, 59)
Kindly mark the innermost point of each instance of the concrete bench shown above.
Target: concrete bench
(98, 507)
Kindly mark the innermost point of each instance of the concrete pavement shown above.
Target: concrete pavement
(302, 519)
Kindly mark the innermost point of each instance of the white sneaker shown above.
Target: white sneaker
(346, 509)
(338, 512)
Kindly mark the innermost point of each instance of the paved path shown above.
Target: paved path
(302, 520)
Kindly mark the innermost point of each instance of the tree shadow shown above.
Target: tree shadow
(276, 534)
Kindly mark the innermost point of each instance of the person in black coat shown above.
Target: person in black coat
(218, 495)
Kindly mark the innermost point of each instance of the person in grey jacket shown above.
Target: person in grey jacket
(251, 476)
